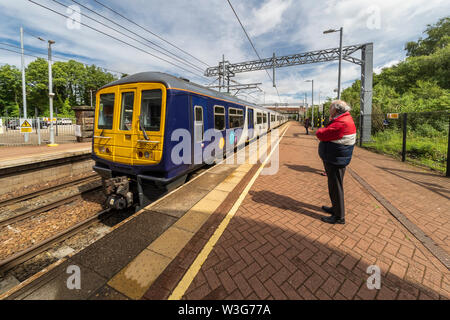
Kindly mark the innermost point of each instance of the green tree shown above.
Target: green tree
(10, 90)
(438, 37)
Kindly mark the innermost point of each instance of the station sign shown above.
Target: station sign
(25, 126)
(393, 115)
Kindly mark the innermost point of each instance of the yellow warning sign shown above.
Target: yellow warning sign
(25, 126)
(392, 115)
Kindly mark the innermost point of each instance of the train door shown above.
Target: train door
(268, 121)
(199, 130)
(125, 134)
(103, 144)
(199, 116)
(250, 124)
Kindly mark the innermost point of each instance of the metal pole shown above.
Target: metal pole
(273, 63)
(223, 70)
(312, 104)
(56, 116)
(91, 97)
(50, 93)
(24, 92)
(405, 121)
(36, 116)
(447, 174)
(39, 130)
(340, 62)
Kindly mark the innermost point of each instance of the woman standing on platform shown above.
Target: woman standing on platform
(307, 123)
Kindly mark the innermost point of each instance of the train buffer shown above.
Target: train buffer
(234, 232)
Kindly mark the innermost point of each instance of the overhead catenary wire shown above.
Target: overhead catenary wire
(251, 42)
(117, 39)
(187, 63)
(175, 57)
(151, 32)
(58, 57)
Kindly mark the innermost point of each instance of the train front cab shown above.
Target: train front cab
(128, 134)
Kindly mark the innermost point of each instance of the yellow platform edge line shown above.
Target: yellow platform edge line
(189, 276)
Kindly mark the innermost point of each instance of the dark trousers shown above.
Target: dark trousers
(307, 132)
(335, 177)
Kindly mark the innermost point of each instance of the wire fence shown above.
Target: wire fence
(421, 138)
(11, 135)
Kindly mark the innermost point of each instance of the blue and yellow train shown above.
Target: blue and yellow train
(135, 118)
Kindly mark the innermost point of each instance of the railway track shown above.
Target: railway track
(41, 192)
(24, 213)
(22, 256)
(33, 212)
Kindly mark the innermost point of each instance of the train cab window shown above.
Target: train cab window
(235, 118)
(151, 101)
(259, 118)
(265, 117)
(219, 118)
(198, 124)
(106, 111)
(126, 111)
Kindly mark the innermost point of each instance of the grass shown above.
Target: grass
(428, 151)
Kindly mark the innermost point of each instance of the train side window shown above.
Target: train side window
(235, 118)
(259, 118)
(106, 111)
(265, 117)
(272, 117)
(198, 124)
(151, 101)
(126, 111)
(219, 118)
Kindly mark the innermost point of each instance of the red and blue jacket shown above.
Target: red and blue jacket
(337, 140)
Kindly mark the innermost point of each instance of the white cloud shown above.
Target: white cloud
(378, 70)
(207, 29)
(268, 16)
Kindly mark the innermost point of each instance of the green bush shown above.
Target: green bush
(427, 130)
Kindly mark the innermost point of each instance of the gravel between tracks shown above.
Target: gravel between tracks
(36, 187)
(23, 234)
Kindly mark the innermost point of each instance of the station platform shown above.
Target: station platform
(26, 155)
(26, 168)
(234, 233)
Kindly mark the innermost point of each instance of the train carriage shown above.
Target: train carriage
(136, 118)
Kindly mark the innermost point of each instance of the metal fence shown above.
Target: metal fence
(11, 135)
(421, 138)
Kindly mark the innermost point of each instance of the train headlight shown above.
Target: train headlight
(147, 154)
(102, 149)
(140, 154)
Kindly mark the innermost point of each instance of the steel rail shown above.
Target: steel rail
(33, 251)
(47, 207)
(45, 191)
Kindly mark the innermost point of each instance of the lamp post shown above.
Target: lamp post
(24, 92)
(50, 92)
(340, 30)
(312, 102)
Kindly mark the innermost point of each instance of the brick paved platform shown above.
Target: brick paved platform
(276, 246)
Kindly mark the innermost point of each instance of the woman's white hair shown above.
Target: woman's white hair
(340, 106)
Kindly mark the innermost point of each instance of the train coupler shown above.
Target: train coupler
(118, 193)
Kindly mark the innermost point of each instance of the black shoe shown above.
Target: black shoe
(327, 209)
(333, 220)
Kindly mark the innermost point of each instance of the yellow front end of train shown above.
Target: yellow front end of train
(129, 123)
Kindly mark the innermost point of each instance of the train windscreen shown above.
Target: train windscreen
(151, 109)
(106, 111)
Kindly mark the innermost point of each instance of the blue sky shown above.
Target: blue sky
(208, 28)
